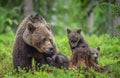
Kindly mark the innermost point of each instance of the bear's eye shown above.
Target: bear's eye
(39, 43)
(44, 39)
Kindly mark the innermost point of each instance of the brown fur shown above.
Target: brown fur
(81, 53)
(75, 38)
(33, 40)
(80, 56)
(95, 54)
(58, 60)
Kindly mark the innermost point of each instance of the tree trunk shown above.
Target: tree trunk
(110, 21)
(116, 22)
(90, 18)
(28, 7)
(90, 22)
(117, 18)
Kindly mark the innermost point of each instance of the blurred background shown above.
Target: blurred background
(98, 19)
(92, 16)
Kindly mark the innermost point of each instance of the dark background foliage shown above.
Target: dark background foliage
(92, 16)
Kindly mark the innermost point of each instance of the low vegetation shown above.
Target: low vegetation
(109, 58)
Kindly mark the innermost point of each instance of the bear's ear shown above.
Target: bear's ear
(31, 28)
(48, 26)
(98, 48)
(78, 30)
(36, 15)
(68, 30)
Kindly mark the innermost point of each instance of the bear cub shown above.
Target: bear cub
(75, 38)
(95, 54)
(58, 60)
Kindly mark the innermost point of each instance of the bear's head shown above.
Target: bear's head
(95, 54)
(38, 35)
(74, 37)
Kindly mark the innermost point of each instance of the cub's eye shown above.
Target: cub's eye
(83, 46)
(92, 53)
(73, 41)
(96, 53)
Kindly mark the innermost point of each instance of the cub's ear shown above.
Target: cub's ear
(31, 28)
(68, 30)
(58, 59)
(78, 30)
(49, 59)
(98, 48)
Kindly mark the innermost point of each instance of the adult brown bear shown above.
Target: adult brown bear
(33, 40)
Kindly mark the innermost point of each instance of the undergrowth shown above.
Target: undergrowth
(109, 58)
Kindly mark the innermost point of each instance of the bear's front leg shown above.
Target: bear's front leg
(39, 63)
(23, 62)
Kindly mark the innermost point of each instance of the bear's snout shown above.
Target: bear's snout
(50, 48)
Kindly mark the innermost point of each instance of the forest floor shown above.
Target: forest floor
(109, 56)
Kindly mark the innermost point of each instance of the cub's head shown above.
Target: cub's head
(58, 60)
(38, 35)
(74, 37)
(84, 48)
(95, 54)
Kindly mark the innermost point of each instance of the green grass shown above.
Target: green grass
(109, 56)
